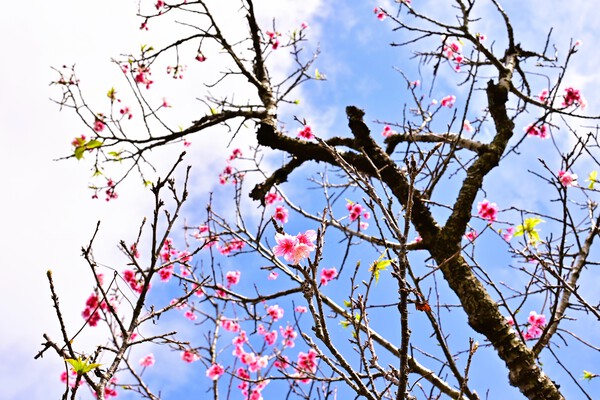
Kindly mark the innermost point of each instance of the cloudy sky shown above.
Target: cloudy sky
(47, 211)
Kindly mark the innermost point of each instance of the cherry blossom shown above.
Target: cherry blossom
(294, 248)
(471, 235)
(533, 130)
(467, 126)
(289, 334)
(215, 371)
(301, 309)
(272, 197)
(275, 312)
(567, 179)
(99, 125)
(306, 133)
(148, 360)
(273, 276)
(281, 214)
(544, 96)
(304, 25)
(573, 97)
(189, 356)
(230, 325)
(233, 278)
(509, 233)
(189, 314)
(487, 210)
(448, 101)
(388, 131)
(379, 13)
(328, 275)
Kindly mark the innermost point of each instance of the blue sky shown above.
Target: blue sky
(48, 213)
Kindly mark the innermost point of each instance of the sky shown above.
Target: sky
(47, 210)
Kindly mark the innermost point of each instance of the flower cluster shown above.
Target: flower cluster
(573, 97)
(305, 132)
(177, 71)
(379, 13)
(328, 275)
(567, 179)
(142, 76)
(228, 172)
(295, 248)
(274, 39)
(453, 51)
(534, 130)
(487, 210)
(148, 361)
(91, 313)
(536, 323)
(356, 212)
(448, 101)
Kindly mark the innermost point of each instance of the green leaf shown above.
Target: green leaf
(589, 375)
(344, 324)
(111, 93)
(79, 150)
(528, 227)
(81, 366)
(347, 303)
(93, 144)
(378, 266)
(592, 179)
(319, 76)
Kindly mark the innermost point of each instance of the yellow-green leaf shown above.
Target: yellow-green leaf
(347, 303)
(528, 227)
(592, 179)
(378, 266)
(81, 366)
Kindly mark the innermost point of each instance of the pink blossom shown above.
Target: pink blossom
(189, 314)
(418, 239)
(215, 371)
(233, 278)
(301, 309)
(272, 197)
(487, 210)
(271, 337)
(165, 273)
(573, 97)
(380, 13)
(448, 101)
(281, 214)
(148, 360)
(275, 312)
(165, 103)
(467, 126)
(328, 275)
(508, 234)
(304, 25)
(289, 335)
(282, 362)
(306, 133)
(578, 43)
(510, 321)
(471, 235)
(230, 325)
(307, 238)
(159, 4)
(142, 75)
(285, 246)
(240, 339)
(237, 153)
(567, 179)
(99, 125)
(273, 276)
(536, 319)
(307, 363)
(125, 111)
(189, 356)
(388, 131)
(544, 95)
(200, 57)
(533, 130)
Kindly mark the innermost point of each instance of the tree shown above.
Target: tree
(429, 306)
